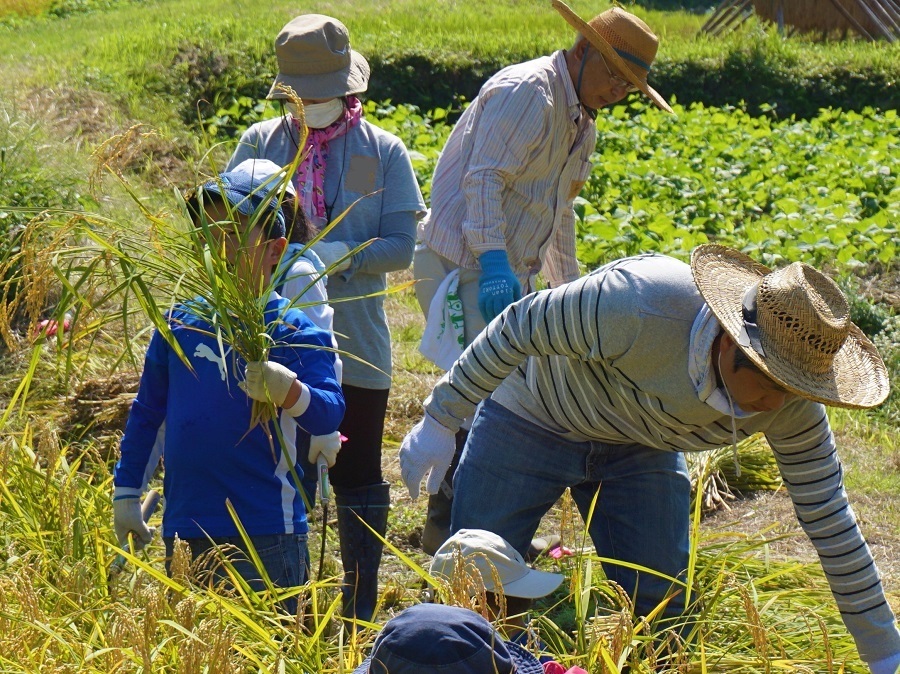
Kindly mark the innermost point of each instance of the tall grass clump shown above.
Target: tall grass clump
(29, 185)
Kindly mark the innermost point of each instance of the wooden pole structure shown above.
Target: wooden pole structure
(887, 17)
(736, 12)
(893, 7)
(779, 17)
(852, 20)
(878, 23)
(717, 15)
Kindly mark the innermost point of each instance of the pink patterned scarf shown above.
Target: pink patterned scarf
(310, 178)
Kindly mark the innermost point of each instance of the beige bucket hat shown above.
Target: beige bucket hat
(794, 324)
(496, 561)
(624, 41)
(315, 59)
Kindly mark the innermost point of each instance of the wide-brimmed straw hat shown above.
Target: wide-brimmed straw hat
(625, 42)
(496, 561)
(794, 324)
(437, 639)
(315, 59)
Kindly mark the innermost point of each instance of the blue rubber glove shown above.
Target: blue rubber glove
(498, 286)
(888, 665)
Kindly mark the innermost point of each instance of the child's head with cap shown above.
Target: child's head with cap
(431, 638)
(248, 209)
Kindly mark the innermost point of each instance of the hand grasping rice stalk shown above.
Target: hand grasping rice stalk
(178, 259)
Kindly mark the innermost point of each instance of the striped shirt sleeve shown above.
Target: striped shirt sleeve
(513, 122)
(804, 447)
(564, 321)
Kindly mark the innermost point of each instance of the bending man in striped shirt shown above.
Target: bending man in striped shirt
(503, 190)
(600, 385)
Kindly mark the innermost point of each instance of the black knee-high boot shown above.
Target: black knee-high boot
(360, 548)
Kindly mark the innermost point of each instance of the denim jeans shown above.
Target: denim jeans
(513, 471)
(285, 558)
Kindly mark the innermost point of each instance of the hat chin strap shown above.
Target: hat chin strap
(734, 449)
(749, 335)
(592, 113)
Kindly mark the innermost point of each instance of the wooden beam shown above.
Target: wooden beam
(878, 23)
(852, 20)
(889, 20)
(736, 13)
(717, 15)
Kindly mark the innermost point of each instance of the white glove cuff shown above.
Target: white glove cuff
(126, 492)
(344, 252)
(434, 432)
(302, 403)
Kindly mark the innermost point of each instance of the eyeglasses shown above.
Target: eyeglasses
(618, 80)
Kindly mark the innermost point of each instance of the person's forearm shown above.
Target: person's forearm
(485, 224)
(325, 410)
(559, 322)
(392, 249)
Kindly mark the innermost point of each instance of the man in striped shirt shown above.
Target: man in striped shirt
(601, 384)
(503, 189)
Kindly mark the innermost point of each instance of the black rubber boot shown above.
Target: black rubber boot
(437, 518)
(360, 548)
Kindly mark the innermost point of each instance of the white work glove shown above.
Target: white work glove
(268, 382)
(335, 255)
(326, 445)
(429, 446)
(888, 665)
(127, 517)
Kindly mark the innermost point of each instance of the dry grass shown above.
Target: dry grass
(24, 7)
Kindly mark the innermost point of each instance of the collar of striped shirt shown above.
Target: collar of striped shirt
(559, 65)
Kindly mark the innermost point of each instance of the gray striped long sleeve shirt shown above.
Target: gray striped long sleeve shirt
(606, 358)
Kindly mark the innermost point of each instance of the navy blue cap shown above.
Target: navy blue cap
(445, 639)
(248, 185)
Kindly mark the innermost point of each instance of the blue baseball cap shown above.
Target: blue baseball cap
(250, 184)
(441, 639)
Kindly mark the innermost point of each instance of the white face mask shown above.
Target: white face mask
(319, 115)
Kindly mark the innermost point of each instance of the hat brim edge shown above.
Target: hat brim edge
(354, 79)
(592, 36)
(858, 349)
(533, 585)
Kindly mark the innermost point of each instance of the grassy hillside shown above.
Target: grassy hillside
(425, 53)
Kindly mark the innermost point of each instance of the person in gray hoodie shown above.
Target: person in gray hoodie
(601, 385)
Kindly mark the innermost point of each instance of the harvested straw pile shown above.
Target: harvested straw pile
(99, 408)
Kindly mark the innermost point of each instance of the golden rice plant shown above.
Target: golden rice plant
(110, 270)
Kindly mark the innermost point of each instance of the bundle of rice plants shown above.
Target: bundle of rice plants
(110, 267)
(721, 475)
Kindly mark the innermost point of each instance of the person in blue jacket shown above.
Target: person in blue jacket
(203, 417)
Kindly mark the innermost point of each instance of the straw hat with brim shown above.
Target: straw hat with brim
(626, 42)
(496, 561)
(315, 60)
(438, 639)
(794, 324)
